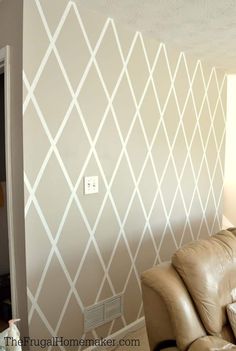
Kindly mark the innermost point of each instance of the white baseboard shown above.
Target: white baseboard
(120, 334)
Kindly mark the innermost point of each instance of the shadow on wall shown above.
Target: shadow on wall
(180, 233)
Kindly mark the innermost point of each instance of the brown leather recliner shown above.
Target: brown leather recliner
(185, 300)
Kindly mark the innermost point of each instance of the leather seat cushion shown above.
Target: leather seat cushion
(208, 269)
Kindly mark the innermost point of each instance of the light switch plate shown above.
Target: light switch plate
(90, 185)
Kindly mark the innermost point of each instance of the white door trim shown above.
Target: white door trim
(2, 59)
(3, 54)
(5, 63)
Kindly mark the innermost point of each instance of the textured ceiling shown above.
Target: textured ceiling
(203, 28)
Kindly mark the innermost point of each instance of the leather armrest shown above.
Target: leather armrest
(211, 343)
(169, 310)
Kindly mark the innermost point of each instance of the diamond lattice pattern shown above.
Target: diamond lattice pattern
(100, 100)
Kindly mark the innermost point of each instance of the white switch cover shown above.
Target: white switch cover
(90, 185)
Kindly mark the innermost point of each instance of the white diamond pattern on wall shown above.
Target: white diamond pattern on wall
(152, 132)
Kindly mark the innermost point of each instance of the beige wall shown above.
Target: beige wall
(230, 157)
(150, 122)
(11, 24)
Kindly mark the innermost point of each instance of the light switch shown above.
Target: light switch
(90, 185)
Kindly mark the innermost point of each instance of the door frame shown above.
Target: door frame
(5, 66)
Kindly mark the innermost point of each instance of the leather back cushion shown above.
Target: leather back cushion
(208, 269)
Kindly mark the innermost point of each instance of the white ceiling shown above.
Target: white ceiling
(203, 28)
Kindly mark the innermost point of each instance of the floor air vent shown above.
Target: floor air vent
(102, 312)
